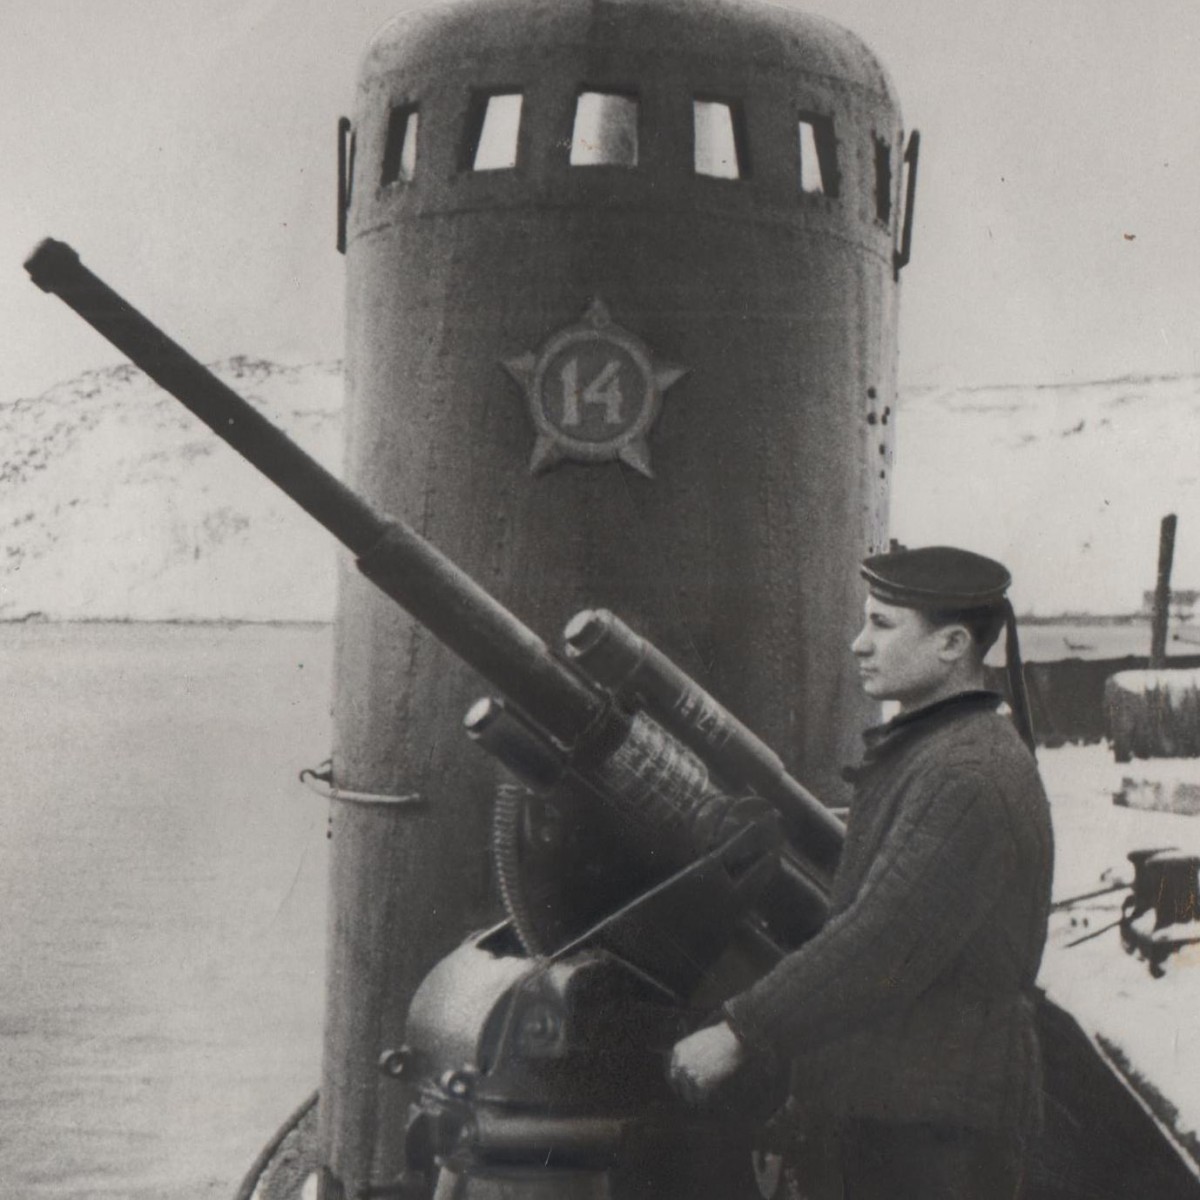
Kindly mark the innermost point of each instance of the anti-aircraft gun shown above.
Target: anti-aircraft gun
(677, 227)
(697, 859)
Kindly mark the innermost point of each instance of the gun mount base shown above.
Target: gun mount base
(539, 1078)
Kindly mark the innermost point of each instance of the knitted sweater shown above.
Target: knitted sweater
(915, 1001)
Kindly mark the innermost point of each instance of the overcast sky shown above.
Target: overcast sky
(186, 148)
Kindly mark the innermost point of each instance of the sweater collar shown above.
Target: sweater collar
(882, 741)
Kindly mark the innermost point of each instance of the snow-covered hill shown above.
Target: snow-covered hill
(116, 503)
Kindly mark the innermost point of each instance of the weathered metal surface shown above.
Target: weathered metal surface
(771, 456)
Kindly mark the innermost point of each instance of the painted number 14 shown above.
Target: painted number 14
(605, 389)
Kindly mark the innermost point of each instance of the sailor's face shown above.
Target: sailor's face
(899, 655)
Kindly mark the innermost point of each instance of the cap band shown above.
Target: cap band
(907, 596)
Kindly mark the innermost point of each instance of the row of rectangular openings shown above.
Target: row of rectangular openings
(605, 133)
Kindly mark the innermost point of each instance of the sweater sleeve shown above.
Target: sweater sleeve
(937, 875)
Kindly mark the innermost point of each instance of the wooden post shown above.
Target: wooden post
(1162, 593)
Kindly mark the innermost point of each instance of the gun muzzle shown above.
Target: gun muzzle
(527, 753)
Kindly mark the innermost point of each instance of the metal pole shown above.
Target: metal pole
(1162, 592)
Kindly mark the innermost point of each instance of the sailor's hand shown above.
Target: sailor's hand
(704, 1060)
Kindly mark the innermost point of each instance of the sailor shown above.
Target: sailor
(909, 1019)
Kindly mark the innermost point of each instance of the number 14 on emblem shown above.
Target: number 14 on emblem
(594, 391)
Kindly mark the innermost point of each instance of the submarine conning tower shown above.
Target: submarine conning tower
(622, 282)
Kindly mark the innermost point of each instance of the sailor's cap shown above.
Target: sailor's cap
(936, 577)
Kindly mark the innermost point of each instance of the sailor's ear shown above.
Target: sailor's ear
(956, 642)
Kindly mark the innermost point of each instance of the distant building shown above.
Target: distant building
(1183, 603)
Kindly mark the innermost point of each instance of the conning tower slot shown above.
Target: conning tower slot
(606, 130)
(493, 129)
(400, 145)
(818, 155)
(720, 147)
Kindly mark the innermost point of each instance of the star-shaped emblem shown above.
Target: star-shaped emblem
(594, 391)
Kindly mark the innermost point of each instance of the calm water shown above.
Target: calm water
(162, 877)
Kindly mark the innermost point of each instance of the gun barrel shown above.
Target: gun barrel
(612, 654)
(653, 775)
(409, 569)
